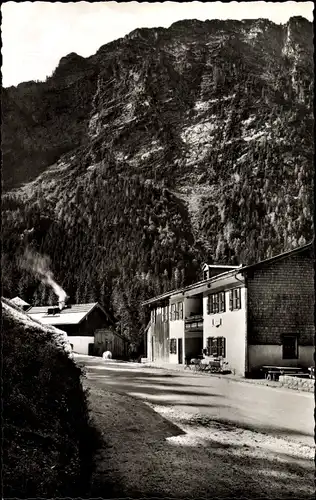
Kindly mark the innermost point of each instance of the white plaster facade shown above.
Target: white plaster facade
(259, 355)
(81, 343)
(232, 326)
(176, 332)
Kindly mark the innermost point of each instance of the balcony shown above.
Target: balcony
(194, 322)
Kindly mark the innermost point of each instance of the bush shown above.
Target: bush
(47, 445)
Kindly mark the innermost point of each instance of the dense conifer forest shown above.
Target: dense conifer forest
(166, 149)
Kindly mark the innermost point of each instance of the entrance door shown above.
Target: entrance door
(180, 351)
(90, 349)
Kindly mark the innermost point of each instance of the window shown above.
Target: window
(216, 303)
(180, 309)
(172, 312)
(173, 346)
(216, 346)
(235, 299)
(176, 311)
(290, 347)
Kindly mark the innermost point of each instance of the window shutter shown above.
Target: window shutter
(222, 303)
(231, 300)
(208, 304)
(217, 302)
(238, 305)
(209, 345)
(214, 304)
(221, 347)
(181, 310)
(214, 350)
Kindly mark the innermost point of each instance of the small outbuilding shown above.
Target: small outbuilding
(89, 327)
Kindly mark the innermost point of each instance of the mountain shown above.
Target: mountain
(167, 148)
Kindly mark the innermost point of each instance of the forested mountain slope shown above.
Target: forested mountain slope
(165, 149)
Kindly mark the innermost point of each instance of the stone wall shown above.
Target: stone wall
(301, 384)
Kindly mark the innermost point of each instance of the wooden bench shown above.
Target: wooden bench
(272, 375)
(274, 372)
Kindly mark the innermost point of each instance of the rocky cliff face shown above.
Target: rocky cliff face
(183, 144)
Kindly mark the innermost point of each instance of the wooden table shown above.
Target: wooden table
(273, 372)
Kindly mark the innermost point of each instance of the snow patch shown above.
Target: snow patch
(201, 105)
(134, 75)
(146, 154)
(249, 120)
(242, 158)
(236, 177)
(253, 33)
(199, 132)
(94, 125)
(254, 136)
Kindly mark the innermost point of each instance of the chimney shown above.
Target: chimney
(62, 303)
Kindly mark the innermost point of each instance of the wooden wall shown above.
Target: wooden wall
(105, 339)
(160, 338)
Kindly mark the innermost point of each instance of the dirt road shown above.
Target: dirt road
(179, 435)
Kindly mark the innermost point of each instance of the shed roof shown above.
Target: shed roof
(72, 315)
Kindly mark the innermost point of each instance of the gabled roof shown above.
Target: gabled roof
(71, 315)
(227, 274)
(19, 302)
(233, 271)
(280, 256)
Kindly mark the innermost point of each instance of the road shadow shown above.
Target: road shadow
(144, 455)
(160, 390)
(125, 425)
(139, 387)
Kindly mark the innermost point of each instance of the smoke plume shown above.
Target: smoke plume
(39, 265)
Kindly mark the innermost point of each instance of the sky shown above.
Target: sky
(36, 35)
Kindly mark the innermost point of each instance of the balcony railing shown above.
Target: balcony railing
(194, 322)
